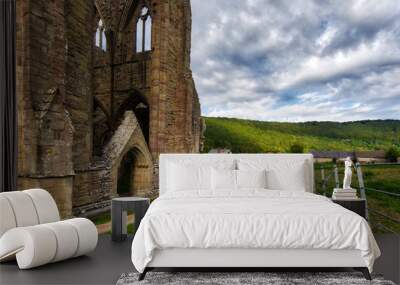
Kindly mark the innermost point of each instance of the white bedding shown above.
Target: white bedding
(250, 219)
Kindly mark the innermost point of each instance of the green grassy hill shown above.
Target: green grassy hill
(246, 136)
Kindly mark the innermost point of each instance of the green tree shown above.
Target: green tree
(296, 148)
(392, 154)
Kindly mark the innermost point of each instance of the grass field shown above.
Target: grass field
(385, 178)
(245, 136)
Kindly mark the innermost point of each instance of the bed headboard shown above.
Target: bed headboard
(210, 159)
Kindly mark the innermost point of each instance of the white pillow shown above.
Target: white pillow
(251, 178)
(282, 173)
(223, 179)
(291, 180)
(185, 178)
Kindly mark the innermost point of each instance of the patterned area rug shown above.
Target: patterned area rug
(229, 278)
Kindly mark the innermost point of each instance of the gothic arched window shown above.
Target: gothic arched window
(143, 31)
(101, 40)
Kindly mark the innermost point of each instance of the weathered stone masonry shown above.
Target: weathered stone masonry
(92, 119)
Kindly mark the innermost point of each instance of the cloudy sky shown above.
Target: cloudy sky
(297, 60)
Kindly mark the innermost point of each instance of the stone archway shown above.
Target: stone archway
(129, 158)
(134, 178)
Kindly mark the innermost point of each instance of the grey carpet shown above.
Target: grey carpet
(228, 278)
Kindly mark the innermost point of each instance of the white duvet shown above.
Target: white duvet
(250, 219)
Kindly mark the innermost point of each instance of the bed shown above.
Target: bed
(246, 211)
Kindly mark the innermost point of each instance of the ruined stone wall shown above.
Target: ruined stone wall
(87, 184)
(27, 125)
(45, 150)
(172, 90)
(74, 97)
(194, 122)
(40, 83)
(78, 99)
(101, 72)
(162, 77)
(91, 186)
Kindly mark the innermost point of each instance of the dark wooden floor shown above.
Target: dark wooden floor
(103, 266)
(110, 260)
(389, 262)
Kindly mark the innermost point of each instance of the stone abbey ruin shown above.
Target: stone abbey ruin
(103, 87)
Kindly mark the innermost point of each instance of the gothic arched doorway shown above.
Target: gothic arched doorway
(134, 174)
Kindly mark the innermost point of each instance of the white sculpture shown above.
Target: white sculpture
(347, 173)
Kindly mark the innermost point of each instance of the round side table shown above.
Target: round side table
(119, 208)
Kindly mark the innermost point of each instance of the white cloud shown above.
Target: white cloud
(326, 37)
(341, 63)
(297, 60)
